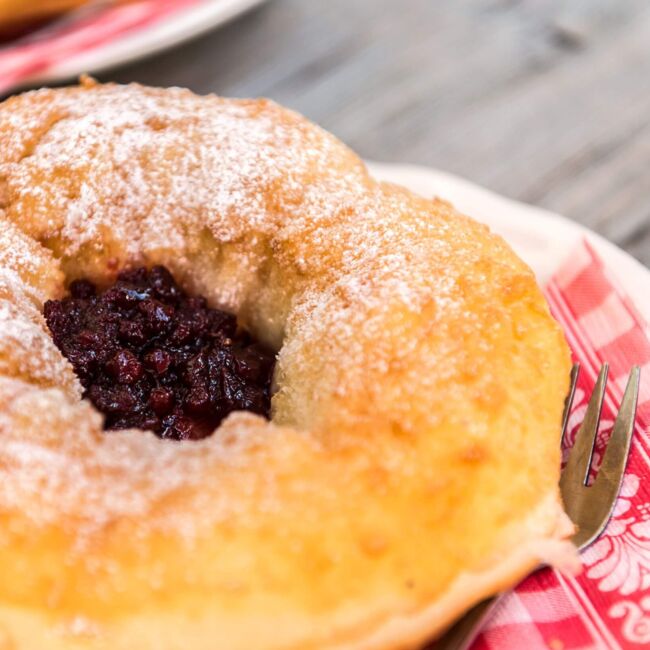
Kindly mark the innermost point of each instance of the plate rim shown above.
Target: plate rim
(506, 216)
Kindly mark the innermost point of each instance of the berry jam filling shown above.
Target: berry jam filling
(152, 357)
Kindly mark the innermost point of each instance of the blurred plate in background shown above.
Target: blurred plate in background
(112, 37)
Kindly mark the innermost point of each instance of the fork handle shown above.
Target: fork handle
(462, 633)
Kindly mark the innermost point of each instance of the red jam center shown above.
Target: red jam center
(152, 357)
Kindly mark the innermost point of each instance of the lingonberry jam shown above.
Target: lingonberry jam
(152, 357)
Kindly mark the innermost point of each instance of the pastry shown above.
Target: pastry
(410, 464)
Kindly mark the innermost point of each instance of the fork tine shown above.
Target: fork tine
(580, 455)
(568, 402)
(615, 458)
(591, 507)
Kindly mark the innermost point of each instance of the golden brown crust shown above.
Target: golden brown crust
(412, 460)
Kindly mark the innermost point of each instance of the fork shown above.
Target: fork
(589, 506)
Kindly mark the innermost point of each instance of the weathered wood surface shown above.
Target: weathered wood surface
(547, 102)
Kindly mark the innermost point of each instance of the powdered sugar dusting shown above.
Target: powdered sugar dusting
(127, 153)
(69, 470)
(266, 213)
(27, 351)
(362, 288)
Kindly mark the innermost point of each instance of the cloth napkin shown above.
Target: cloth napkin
(20, 63)
(608, 604)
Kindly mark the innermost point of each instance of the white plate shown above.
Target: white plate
(181, 26)
(541, 238)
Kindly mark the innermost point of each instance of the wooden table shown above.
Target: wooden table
(547, 102)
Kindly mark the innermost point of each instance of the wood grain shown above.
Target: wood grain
(548, 102)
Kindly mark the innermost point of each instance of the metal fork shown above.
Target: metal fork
(588, 506)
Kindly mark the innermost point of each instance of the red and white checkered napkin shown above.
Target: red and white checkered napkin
(21, 62)
(608, 604)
